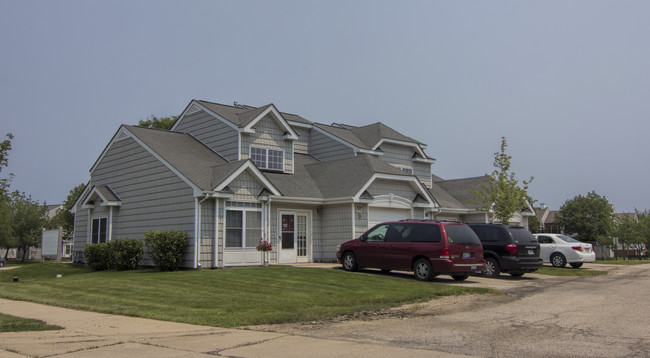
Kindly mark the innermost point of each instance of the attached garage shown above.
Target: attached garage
(378, 215)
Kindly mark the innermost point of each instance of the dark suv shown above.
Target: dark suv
(511, 249)
(427, 248)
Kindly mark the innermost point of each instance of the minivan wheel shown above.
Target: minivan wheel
(460, 277)
(516, 273)
(423, 271)
(492, 268)
(349, 262)
(558, 260)
(576, 264)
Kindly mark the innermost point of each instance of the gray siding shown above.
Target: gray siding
(325, 148)
(214, 133)
(153, 197)
(385, 187)
(302, 144)
(207, 258)
(268, 135)
(401, 156)
(337, 228)
(80, 229)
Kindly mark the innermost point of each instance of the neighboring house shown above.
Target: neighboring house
(50, 238)
(230, 176)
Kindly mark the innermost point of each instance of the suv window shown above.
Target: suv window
(490, 233)
(521, 235)
(461, 235)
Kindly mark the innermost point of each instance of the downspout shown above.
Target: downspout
(110, 223)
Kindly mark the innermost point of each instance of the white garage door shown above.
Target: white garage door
(378, 215)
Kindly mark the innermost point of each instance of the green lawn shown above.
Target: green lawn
(225, 297)
(15, 324)
(622, 262)
(569, 271)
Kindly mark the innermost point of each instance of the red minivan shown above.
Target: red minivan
(428, 248)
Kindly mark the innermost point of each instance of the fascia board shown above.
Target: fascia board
(249, 127)
(366, 151)
(425, 160)
(403, 143)
(412, 180)
(164, 162)
(205, 109)
(300, 124)
(248, 165)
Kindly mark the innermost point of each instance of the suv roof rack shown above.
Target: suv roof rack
(432, 220)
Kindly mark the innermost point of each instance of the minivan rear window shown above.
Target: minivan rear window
(461, 235)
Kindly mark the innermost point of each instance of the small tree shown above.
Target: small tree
(590, 217)
(502, 193)
(27, 221)
(166, 248)
(64, 218)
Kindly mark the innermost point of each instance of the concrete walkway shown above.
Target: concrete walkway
(89, 334)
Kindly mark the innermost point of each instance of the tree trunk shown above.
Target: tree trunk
(24, 253)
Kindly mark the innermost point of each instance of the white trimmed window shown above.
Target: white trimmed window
(265, 158)
(243, 227)
(98, 231)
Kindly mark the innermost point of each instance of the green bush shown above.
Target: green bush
(166, 248)
(126, 253)
(98, 256)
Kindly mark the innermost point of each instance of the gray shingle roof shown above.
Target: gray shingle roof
(183, 152)
(459, 189)
(242, 115)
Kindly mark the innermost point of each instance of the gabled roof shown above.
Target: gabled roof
(459, 189)
(186, 155)
(369, 138)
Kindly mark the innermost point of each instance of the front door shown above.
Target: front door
(294, 237)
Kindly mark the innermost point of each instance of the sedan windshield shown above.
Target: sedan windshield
(566, 238)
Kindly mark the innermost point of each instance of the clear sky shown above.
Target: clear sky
(566, 82)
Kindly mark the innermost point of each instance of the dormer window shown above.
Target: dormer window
(271, 159)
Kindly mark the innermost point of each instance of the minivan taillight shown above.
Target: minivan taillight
(512, 248)
(444, 253)
(577, 248)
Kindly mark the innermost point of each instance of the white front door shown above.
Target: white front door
(294, 237)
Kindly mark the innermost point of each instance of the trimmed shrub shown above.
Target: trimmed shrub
(98, 256)
(126, 253)
(166, 248)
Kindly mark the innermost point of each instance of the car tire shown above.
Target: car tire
(576, 264)
(349, 262)
(460, 277)
(558, 260)
(385, 270)
(423, 271)
(492, 268)
(516, 273)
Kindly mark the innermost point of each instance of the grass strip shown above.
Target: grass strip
(16, 324)
(224, 297)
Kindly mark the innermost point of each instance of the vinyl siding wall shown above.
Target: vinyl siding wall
(301, 146)
(386, 187)
(268, 135)
(214, 133)
(401, 156)
(207, 259)
(325, 148)
(337, 228)
(153, 197)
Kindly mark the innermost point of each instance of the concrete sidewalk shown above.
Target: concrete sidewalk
(88, 334)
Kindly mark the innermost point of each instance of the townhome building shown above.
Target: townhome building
(230, 176)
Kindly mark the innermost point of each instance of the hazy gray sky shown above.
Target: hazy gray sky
(566, 82)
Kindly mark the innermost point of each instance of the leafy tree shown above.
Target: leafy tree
(27, 220)
(591, 217)
(64, 217)
(6, 238)
(629, 232)
(160, 123)
(502, 193)
(5, 147)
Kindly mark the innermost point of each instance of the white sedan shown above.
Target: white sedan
(561, 249)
